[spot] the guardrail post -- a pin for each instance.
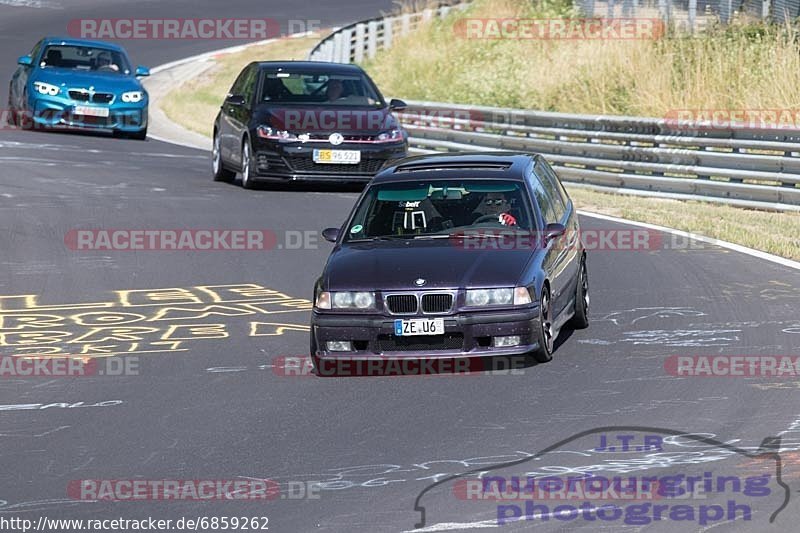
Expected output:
(388, 28)
(360, 44)
(345, 53)
(372, 38)
(337, 48)
(405, 23)
(692, 15)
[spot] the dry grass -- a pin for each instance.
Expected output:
(775, 233)
(741, 67)
(195, 104)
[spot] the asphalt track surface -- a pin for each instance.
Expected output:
(216, 406)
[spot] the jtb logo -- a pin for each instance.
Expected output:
(651, 442)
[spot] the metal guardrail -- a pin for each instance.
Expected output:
(756, 168)
(748, 167)
(363, 39)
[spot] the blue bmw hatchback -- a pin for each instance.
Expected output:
(80, 84)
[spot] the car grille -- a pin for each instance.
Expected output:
(448, 341)
(402, 303)
(347, 138)
(306, 164)
(96, 98)
(436, 303)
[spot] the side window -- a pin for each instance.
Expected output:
(550, 183)
(36, 49)
(238, 85)
(545, 203)
(250, 79)
(551, 174)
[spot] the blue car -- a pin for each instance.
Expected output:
(78, 84)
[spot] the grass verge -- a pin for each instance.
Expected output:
(195, 104)
(778, 234)
(744, 66)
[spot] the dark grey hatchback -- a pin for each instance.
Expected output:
(305, 120)
(453, 256)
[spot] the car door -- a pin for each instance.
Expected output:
(240, 114)
(555, 255)
(564, 212)
(228, 132)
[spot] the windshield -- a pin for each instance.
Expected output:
(85, 58)
(319, 89)
(440, 208)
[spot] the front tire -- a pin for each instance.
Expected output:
(140, 135)
(544, 352)
(11, 118)
(247, 165)
(218, 169)
(581, 318)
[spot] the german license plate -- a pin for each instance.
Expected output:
(419, 326)
(341, 157)
(89, 111)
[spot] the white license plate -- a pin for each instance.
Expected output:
(342, 157)
(89, 111)
(419, 326)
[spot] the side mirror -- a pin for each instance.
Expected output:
(553, 231)
(25, 61)
(142, 72)
(397, 105)
(330, 234)
(235, 99)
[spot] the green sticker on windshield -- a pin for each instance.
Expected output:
(356, 229)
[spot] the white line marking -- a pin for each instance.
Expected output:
(36, 4)
(709, 240)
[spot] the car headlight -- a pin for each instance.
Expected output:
(345, 300)
(265, 132)
(45, 88)
(394, 135)
(132, 97)
(503, 296)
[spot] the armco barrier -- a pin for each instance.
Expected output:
(751, 167)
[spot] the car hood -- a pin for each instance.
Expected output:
(395, 265)
(355, 120)
(101, 81)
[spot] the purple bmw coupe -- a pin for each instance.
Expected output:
(453, 256)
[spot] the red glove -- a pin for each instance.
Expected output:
(507, 220)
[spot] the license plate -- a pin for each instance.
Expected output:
(419, 326)
(345, 157)
(88, 111)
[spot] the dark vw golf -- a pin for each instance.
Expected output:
(305, 120)
(451, 256)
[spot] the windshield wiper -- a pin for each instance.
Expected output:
(433, 236)
(383, 238)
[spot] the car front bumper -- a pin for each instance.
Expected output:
(466, 335)
(45, 112)
(294, 161)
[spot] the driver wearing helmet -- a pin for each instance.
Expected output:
(104, 62)
(496, 204)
